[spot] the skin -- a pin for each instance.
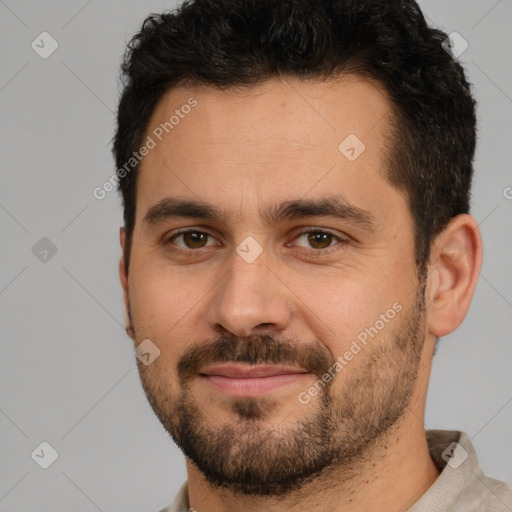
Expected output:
(243, 151)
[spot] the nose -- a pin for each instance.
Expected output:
(250, 299)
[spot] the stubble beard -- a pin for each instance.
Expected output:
(252, 456)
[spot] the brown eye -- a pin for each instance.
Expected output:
(319, 239)
(191, 240)
(319, 242)
(194, 239)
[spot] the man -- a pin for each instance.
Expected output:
(295, 178)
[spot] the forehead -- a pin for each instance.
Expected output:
(280, 140)
(304, 111)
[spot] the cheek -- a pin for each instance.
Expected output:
(159, 300)
(340, 308)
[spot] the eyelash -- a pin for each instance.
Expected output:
(189, 251)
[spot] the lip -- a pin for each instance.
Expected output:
(247, 380)
(238, 371)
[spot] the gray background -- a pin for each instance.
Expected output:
(67, 370)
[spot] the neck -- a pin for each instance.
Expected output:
(392, 474)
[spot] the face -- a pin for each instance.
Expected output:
(272, 265)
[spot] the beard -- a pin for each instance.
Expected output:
(253, 456)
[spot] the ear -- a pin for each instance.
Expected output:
(455, 262)
(123, 276)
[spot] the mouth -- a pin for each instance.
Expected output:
(247, 380)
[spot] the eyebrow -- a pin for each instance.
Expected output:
(337, 207)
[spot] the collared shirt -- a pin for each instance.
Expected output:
(460, 487)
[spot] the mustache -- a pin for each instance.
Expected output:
(254, 350)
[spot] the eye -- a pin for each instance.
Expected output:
(192, 239)
(318, 239)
